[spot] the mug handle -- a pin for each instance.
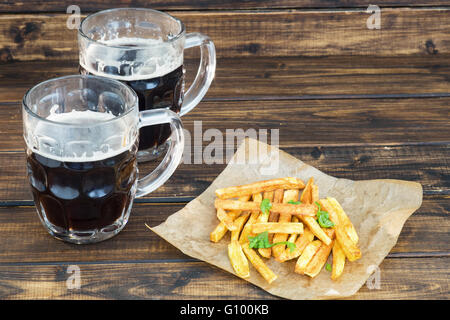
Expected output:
(205, 73)
(171, 160)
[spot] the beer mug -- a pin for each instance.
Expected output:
(144, 49)
(81, 134)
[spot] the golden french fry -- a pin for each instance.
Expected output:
(278, 196)
(307, 198)
(289, 195)
(293, 236)
(226, 219)
(221, 228)
(351, 250)
(246, 231)
(281, 208)
(317, 262)
(259, 264)
(306, 256)
(278, 227)
(239, 224)
(306, 194)
(314, 193)
(265, 217)
(343, 235)
(238, 259)
(268, 195)
(257, 197)
(338, 261)
(316, 229)
(261, 186)
(344, 220)
(300, 245)
(273, 217)
(218, 232)
(265, 252)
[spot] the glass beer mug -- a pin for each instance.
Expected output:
(144, 49)
(81, 135)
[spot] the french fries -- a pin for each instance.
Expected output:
(300, 245)
(278, 227)
(247, 231)
(239, 224)
(262, 186)
(293, 236)
(306, 194)
(274, 223)
(289, 195)
(226, 219)
(259, 265)
(273, 217)
(338, 261)
(309, 195)
(218, 232)
(221, 228)
(306, 256)
(238, 259)
(316, 229)
(319, 259)
(345, 231)
(281, 208)
(344, 221)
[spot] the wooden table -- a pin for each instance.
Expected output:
(353, 102)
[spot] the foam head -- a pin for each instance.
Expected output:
(80, 118)
(131, 44)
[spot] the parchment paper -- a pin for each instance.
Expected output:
(377, 208)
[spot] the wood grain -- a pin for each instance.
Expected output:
(247, 33)
(89, 6)
(277, 77)
(300, 122)
(426, 164)
(426, 232)
(197, 280)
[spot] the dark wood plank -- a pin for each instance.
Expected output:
(289, 33)
(89, 6)
(420, 278)
(426, 164)
(426, 232)
(277, 77)
(301, 122)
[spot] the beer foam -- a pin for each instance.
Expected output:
(84, 143)
(79, 117)
(139, 59)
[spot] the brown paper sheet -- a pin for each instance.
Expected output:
(377, 208)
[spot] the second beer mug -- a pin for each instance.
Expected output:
(144, 49)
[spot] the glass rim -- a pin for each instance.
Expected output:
(175, 38)
(80, 125)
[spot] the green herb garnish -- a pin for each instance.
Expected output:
(265, 206)
(328, 267)
(294, 202)
(323, 218)
(261, 241)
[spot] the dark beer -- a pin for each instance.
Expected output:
(160, 92)
(82, 196)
